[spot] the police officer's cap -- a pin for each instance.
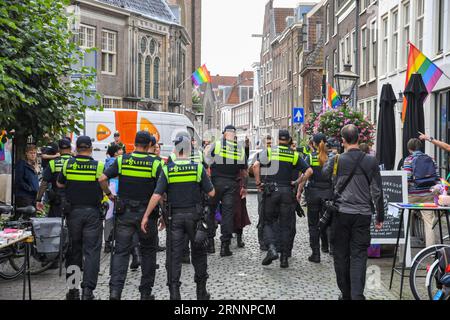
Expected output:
(284, 135)
(229, 128)
(84, 142)
(182, 140)
(64, 143)
(143, 137)
(52, 148)
(318, 138)
(116, 134)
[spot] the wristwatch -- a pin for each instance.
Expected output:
(431, 139)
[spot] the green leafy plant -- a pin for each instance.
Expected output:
(38, 93)
(331, 122)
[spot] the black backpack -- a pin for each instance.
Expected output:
(424, 171)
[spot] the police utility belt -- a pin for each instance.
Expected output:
(121, 205)
(271, 187)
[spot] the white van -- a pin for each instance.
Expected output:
(101, 126)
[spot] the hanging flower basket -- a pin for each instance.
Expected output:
(331, 122)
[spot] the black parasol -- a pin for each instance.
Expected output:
(386, 137)
(416, 93)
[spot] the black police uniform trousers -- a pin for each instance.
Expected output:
(85, 243)
(225, 194)
(278, 218)
(127, 225)
(350, 253)
(315, 198)
(184, 223)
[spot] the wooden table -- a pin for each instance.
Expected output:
(27, 239)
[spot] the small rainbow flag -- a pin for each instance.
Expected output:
(201, 76)
(334, 101)
(445, 182)
(419, 63)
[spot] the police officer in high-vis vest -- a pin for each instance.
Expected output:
(227, 161)
(273, 174)
(49, 178)
(83, 196)
(183, 181)
(138, 173)
(196, 157)
(318, 189)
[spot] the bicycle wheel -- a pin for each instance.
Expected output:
(419, 270)
(11, 264)
(38, 263)
(433, 285)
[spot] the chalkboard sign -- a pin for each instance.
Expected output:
(395, 190)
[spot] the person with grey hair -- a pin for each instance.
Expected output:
(358, 194)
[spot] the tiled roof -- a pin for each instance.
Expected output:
(227, 81)
(280, 15)
(156, 9)
(234, 96)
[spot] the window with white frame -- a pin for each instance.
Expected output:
(353, 50)
(440, 26)
(373, 51)
(342, 55)
(384, 48)
(87, 36)
(327, 68)
(364, 52)
(394, 40)
(111, 102)
(327, 21)
(335, 62)
(109, 51)
(335, 20)
(420, 10)
(318, 31)
(406, 12)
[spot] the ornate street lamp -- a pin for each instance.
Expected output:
(346, 82)
(317, 105)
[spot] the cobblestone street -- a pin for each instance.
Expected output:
(240, 277)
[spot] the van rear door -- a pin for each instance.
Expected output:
(100, 126)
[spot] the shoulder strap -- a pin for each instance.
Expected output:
(352, 174)
(119, 163)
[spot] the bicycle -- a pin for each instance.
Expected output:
(12, 262)
(424, 264)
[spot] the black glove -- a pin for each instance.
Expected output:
(299, 211)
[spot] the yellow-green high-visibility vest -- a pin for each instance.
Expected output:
(283, 154)
(229, 150)
(183, 171)
(138, 165)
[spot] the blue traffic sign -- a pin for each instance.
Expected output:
(299, 115)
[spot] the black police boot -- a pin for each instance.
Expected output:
(225, 250)
(315, 257)
(87, 294)
(186, 259)
(115, 295)
(284, 263)
(211, 248)
(136, 259)
(272, 255)
(240, 243)
(73, 294)
(325, 248)
(147, 296)
(174, 290)
(202, 294)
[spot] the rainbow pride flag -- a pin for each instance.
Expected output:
(201, 76)
(334, 101)
(419, 63)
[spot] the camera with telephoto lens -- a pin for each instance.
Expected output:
(330, 210)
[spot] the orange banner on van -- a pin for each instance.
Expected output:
(126, 124)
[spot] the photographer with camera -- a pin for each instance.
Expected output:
(183, 180)
(357, 193)
(318, 189)
(276, 165)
